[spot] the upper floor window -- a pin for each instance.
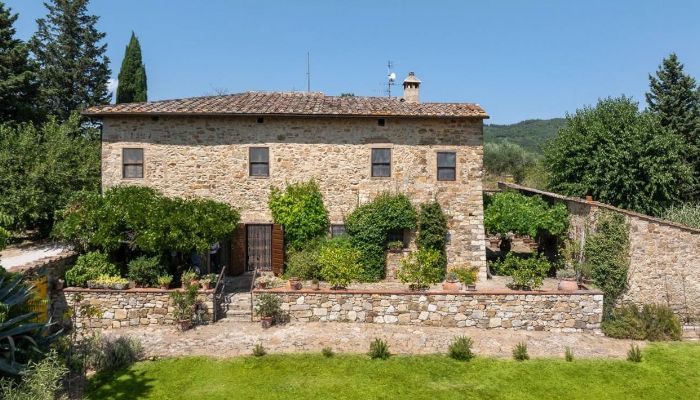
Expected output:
(259, 161)
(132, 163)
(381, 162)
(446, 166)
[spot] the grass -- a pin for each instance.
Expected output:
(668, 371)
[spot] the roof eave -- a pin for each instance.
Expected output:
(223, 114)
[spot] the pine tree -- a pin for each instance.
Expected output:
(675, 98)
(132, 76)
(73, 68)
(18, 84)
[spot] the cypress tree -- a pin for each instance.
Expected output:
(18, 84)
(674, 97)
(132, 76)
(73, 68)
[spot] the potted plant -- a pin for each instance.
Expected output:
(294, 283)
(268, 308)
(567, 279)
(164, 281)
(265, 281)
(395, 246)
(315, 285)
(451, 282)
(208, 281)
(466, 275)
(184, 306)
(188, 278)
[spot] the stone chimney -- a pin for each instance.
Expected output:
(411, 91)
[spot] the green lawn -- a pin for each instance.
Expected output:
(668, 371)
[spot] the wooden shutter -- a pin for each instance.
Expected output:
(238, 249)
(277, 249)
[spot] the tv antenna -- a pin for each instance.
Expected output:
(391, 77)
(308, 73)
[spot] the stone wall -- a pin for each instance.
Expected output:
(122, 308)
(540, 311)
(208, 156)
(664, 256)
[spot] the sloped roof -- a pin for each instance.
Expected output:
(290, 104)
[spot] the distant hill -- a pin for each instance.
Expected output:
(530, 134)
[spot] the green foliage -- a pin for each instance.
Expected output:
(687, 214)
(144, 220)
(531, 134)
(259, 350)
(525, 215)
(21, 340)
(422, 268)
(653, 322)
(184, 303)
(568, 354)
(89, 266)
(5, 220)
(303, 263)
(111, 353)
(620, 156)
(42, 167)
(507, 158)
(301, 210)
(461, 348)
(634, 354)
(606, 252)
(369, 225)
(527, 273)
(432, 231)
(379, 349)
(327, 352)
(66, 46)
(132, 86)
(188, 277)
(145, 271)
(340, 262)
(268, 305)
(520, 352)
(42, 380)
(165, 280)
(466, 275)
(18, 87)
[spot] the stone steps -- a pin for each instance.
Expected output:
(237, 307)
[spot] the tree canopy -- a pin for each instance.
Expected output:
(132, 86)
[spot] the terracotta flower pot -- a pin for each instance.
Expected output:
(471, 287)
(266, 322)
(184, 324)
(294, 284)
(205, 285)
(164, 287)
(450, 286)
(568, 284)
(315, 286)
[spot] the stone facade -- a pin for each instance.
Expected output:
(664, 256)
(539, 311)
(122, 308)
(208, 156)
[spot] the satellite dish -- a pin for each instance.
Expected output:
(392, 76)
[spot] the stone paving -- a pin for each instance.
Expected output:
(228, 339)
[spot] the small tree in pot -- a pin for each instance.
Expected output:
(268, 308)
(184, 303)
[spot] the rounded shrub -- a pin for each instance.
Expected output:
(340, 262)
(301, 210)
(89, 266)
(145, 271)
(461, 348)
(421, 268)
(304, 262)
(379, 349)
(520, 352)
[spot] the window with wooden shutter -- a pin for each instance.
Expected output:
(277, 249)
(446, 166)
(238, 251)
(381, 162)
(132, 163)
(259, 161)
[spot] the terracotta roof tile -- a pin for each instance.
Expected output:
(280, 103)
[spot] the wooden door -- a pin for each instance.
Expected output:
(259, 248)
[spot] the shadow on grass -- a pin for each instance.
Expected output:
(120, 384)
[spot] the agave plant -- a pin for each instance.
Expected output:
(21, 339)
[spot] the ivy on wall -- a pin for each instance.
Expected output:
(432, 232)
(301, 210)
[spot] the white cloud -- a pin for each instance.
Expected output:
(112, 84)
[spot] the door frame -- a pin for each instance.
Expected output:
(247, 246)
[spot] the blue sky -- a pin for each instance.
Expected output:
(518, 59)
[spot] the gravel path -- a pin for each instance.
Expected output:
(227, 339)
(13, 257)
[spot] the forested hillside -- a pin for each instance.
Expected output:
(529, 134)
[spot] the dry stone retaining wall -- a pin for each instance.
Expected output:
(579, 311)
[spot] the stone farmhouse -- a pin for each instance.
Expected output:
(234, 148)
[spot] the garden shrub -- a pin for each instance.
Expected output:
(145, 271)
(524, 215)
(379, 349)
(466, 275)
(651, 322)
(327, 352)
(568, 354)
(527, 273)
(369, 225)
(634, 354)
(301, 210)
(687, 214)
(461, 348)
(89, 266)
(340, 262)
(259, 350)
(520, 352)
(432, 231)
(606, 252)
(304, 263)
(268, 305)
(42, 380)
(421, 268)
(111, 353)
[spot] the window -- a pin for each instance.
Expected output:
(132, 163)
(446, 166)
(381, 122)
(381, 162)
(397, 236)
(337, 230)
(259, 161)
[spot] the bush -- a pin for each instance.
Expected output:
(432, 231)
(303, 263)
(527, 273)
(421, 268)
(520, 352)
(145, 271)
(111, 353)
(340, 262)
(379, 349)
(369, 226)
(506, 158)
(165, 280)
(259, 350)
(634, 354)
(301, 210)
(327, 352)
(42, 380)
(184, 303)
(568, 354)
(524, 215)
(687, 214)
(652, 322)
(88, 267)
(461, 348)
(268, 305)
(465, 275)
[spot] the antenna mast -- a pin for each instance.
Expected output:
(391, 77)
(308, 73)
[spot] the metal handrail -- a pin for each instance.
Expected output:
(252, 286)
(219, 282)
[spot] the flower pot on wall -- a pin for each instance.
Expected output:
(450, 286)
(294, 284)
(184, 324)
(568, 284)
(266, 322)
